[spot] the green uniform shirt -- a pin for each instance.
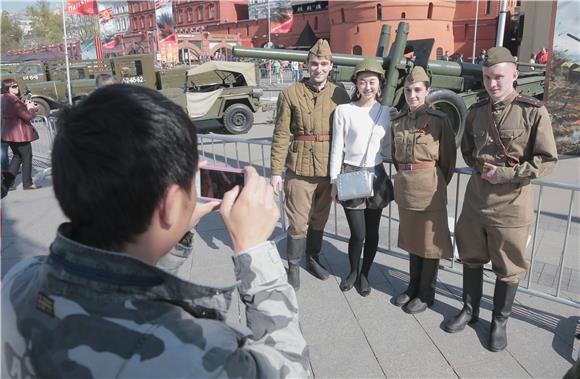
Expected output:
(303, 109)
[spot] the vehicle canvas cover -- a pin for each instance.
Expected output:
(222, 72)
(199, 103)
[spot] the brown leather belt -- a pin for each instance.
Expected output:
(312, 138)
(416, 166)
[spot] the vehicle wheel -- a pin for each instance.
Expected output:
(238, 119)
(41, 106)
(450, 103)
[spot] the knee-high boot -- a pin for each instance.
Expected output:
(354, 253)
(414, 277)
(503, 299)
(427, 283)
(313, 246)
(472, 287)
(294, 252)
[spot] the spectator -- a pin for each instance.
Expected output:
(18, 133)
(481, 57)
(459, 58)
(542, 57)
(445, 56)
(532, 61)
(98, 306)
(104, 80)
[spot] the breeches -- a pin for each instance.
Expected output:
(307, 203)
(505, 247)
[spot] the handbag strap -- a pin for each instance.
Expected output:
(511, 159)
(364, 158)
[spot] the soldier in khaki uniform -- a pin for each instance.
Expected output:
(424, 154)
(508, 141)
(301, 143)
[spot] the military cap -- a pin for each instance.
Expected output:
(321, 48)
(369, 64)
(417, 74)
(497, 55)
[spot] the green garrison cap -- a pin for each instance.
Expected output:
(369, 64)
(417, 74)
(497, 55)
(321, 48)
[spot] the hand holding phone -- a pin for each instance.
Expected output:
(250, 214)
(214, 181)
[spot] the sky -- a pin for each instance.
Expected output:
(20, 5)
(567, 22)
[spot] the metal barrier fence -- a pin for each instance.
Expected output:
(42, 147)
(256, 152)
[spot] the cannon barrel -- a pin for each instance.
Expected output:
(436, 67)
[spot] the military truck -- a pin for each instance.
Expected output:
(220, 94)
(456, 86)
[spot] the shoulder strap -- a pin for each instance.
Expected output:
(364, 158)
(511, 159)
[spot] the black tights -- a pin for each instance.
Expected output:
(364, 230)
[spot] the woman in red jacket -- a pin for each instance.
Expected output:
(18, 132)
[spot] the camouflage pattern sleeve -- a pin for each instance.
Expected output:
(447, 150)
(543, 155)
(467, 142)
(281, 135)
(277, 346)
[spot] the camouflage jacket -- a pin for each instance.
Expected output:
(86, 312)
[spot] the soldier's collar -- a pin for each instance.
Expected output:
(417, 112)
(314, 88)
(503, 103)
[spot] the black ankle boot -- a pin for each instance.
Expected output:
(472, 287)
(294, 252)
(503, 299)
(427, 283)
(347, 283)
(313, 246)
(362, 285)
(414, 277)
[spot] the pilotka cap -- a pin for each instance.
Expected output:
(497, 55)
(417, 74)
(321, 48)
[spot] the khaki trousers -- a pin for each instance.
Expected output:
(307, 203)
(504, 246)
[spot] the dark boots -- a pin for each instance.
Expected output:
(472, 287)
(427, 283)
(503, 299)
(414, 277)
(294, 252)
(313, 246)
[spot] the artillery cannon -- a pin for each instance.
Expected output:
(455, 86)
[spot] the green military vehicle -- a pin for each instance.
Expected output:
(220, 94)
(456, 86)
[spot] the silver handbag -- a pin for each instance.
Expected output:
(355, 185)
(358, 184)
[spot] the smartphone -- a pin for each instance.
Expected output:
(28, 96)
(213, 182)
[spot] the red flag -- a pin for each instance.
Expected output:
(282, 27)
(86, 7)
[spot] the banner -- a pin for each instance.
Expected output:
(164, 20)
(281, 17)
(86, 7)
(113, 24)
(88, 49)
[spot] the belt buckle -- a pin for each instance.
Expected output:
(317, 138)
(410, 167)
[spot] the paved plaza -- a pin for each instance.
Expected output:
(351, 336)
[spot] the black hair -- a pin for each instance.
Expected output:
(113, 158)
(6, 84)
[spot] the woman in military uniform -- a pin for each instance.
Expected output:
(424, 155)
(360, 138)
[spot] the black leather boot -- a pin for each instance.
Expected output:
(503, 299)
(472, 287)
(294, 252)
(414, 277)
(427, 284)
(313, 245)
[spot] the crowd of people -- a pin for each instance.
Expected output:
(130, 220)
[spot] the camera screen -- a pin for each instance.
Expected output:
(215, 183)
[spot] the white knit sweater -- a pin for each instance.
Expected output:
(351, 130)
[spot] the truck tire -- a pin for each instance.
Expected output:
(450, 103)
(41, 106)
(238, 119)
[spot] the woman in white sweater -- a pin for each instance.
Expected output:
(360, 140)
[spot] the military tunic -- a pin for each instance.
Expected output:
(495, 218)
(421, 137)
(305, 110)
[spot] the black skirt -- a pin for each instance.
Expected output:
(382, 188)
